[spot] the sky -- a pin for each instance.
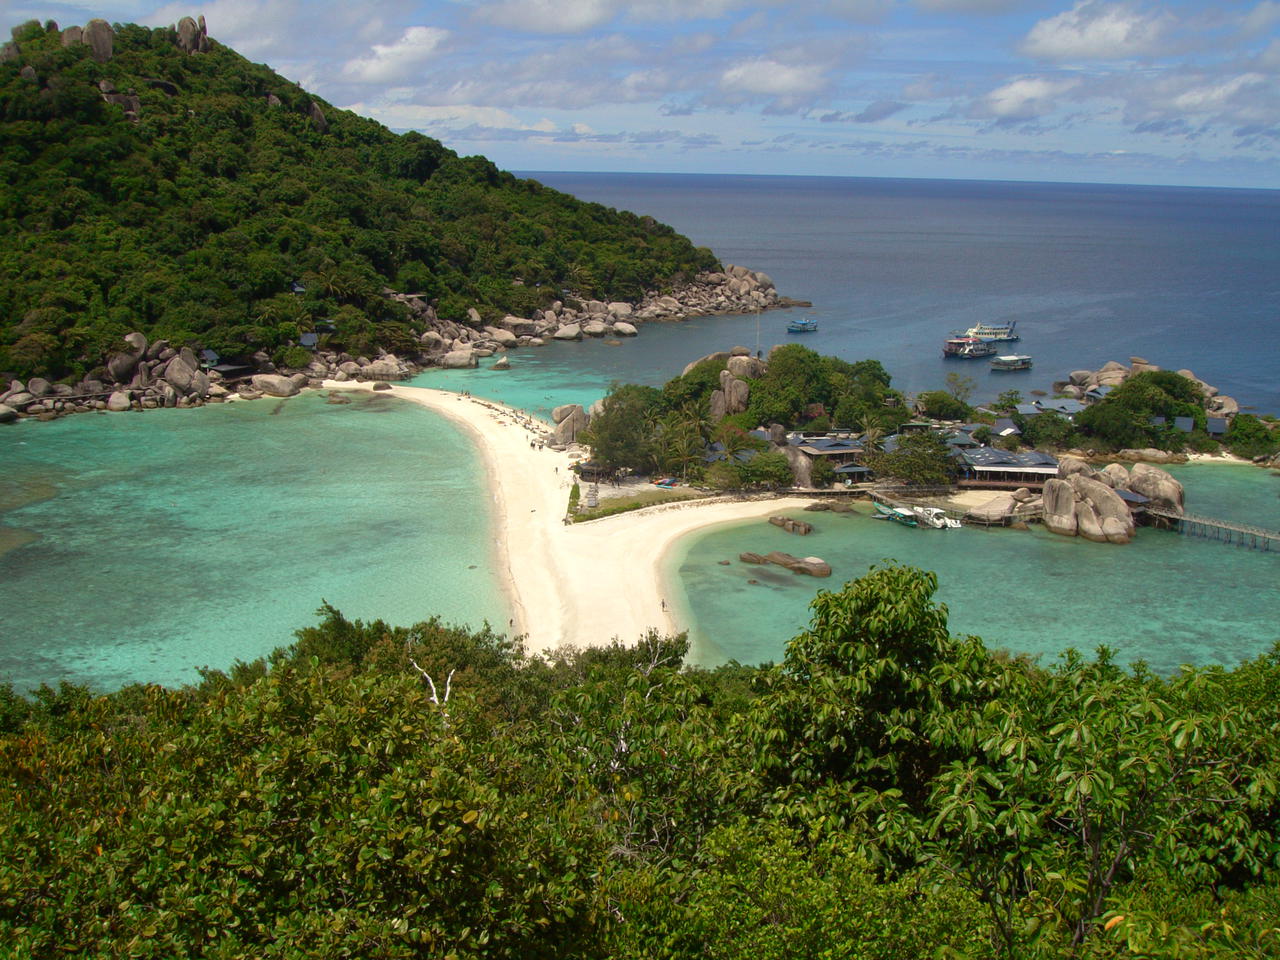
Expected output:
(1184, 92)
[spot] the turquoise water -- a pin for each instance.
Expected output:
(1164, 598)
(180, 538)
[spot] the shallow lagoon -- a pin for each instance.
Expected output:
(1164, 598)
(179, 538)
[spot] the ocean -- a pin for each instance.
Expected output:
(138, 547)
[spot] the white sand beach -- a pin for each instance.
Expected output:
(572, 584)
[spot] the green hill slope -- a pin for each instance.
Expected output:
(184, 194)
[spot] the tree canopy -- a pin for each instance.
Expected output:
(888, 790)
(193, 218)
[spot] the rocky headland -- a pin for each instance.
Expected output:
(1113, 373)
(150, 375)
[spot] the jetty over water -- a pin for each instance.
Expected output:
(1227, 531)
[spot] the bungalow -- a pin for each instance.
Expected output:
(1216, 426)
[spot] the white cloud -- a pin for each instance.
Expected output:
(393, 62)
(550, 16)
(969, 6)
(1095, 30)
(414, 116)
(768, 77)
(1261, 18)
(1026, 98)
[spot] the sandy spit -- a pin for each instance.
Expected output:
(572, 584)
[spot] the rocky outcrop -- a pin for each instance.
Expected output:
(7, 413)
(570, 420)
(119, 401)
(275, 385)
(1158, 485)
(792, 526)
(318, 119)
(811, 566)
(100, 38)
(1112, 374)
(193, 36)
(1060, 507)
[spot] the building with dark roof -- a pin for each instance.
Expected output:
(989, 466)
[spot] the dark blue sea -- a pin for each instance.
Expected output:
(1183, 277)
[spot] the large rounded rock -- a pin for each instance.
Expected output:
(1115, 531)
(1158, 485)
(737, 394)
(1105, 503)
(1060, 507)
(274, 385)
(1114, 475)
(119, 401)
(1088, 523)
(746, 367)
(459, 359)
(1069, 466)
(100, 38)
(624, 329)
(568, 331)
(594, 328)
(384, 368)
(568, 429)
(7, 413)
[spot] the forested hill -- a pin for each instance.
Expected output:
(155, 180)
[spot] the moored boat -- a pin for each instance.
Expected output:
(991, 331)
(897, 514)
(935, 517)
(1012, 361)
(802, 326)
(967, 347)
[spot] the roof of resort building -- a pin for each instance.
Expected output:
(991, 458)
(1216, 425)
(1005, 427)
(1061, 405)
(1027, 409)
(829, 446)
(853, 469)
(1185, 424)
(308, 339)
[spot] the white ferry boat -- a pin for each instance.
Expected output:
(1012, 361)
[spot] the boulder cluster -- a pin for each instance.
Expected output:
(799, 527)
(460, 344)
(1082, 500)
(1113, 373)
(810, 566)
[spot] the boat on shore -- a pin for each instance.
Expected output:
(1012, 361)
(968, 348)
(991, 331)
(802, 326)
(897, 514)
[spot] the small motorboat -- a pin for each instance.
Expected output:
(802, 326)
(897, 514)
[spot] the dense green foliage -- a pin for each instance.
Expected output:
(1123, 418)
(920, 458)
(194, 222)
(889, 790)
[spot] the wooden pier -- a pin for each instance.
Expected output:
(1226, 531)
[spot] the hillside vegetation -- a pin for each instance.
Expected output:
(189, 206)
(889, 790)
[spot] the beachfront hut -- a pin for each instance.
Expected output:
(854, 472)
(1185, 424)
(1216, 426)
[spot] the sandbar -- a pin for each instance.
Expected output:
(581, 584)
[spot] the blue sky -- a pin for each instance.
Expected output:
(1081, 90)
